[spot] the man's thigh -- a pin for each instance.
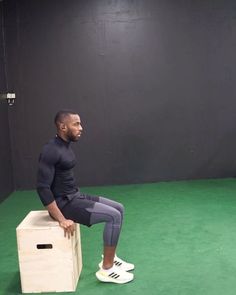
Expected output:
(76, 209)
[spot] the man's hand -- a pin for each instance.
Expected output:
(68, 226)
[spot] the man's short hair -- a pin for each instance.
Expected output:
(62, 114)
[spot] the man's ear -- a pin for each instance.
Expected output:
(63, 126)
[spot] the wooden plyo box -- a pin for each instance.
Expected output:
(48, 261)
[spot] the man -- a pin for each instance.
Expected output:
(65, 203)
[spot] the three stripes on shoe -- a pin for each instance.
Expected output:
(114, 275)
(117, 263)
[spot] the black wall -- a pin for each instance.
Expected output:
(153, 81)
(6, 182)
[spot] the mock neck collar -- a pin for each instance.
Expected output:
(67, 143)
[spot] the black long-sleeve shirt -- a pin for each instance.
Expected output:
(55, 177)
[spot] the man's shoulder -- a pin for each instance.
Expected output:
(51, 144)
(51, 149)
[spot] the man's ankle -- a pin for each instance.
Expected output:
(107, 266)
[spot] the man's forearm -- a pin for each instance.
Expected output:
(55, 212)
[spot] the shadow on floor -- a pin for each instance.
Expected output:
(14, 287)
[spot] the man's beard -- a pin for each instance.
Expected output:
(71, 137)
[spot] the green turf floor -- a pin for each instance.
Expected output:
(181, 236)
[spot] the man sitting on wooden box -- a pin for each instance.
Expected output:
(59, 193)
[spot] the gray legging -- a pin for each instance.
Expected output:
(88, 210)
(110, 212)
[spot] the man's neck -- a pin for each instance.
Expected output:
(63, 137)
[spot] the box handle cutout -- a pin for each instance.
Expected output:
(44, 246)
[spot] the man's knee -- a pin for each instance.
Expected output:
(120, 208)
(117, 217)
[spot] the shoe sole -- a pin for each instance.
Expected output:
(110, 280)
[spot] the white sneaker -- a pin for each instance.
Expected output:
(114, 275)
(121, 264)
